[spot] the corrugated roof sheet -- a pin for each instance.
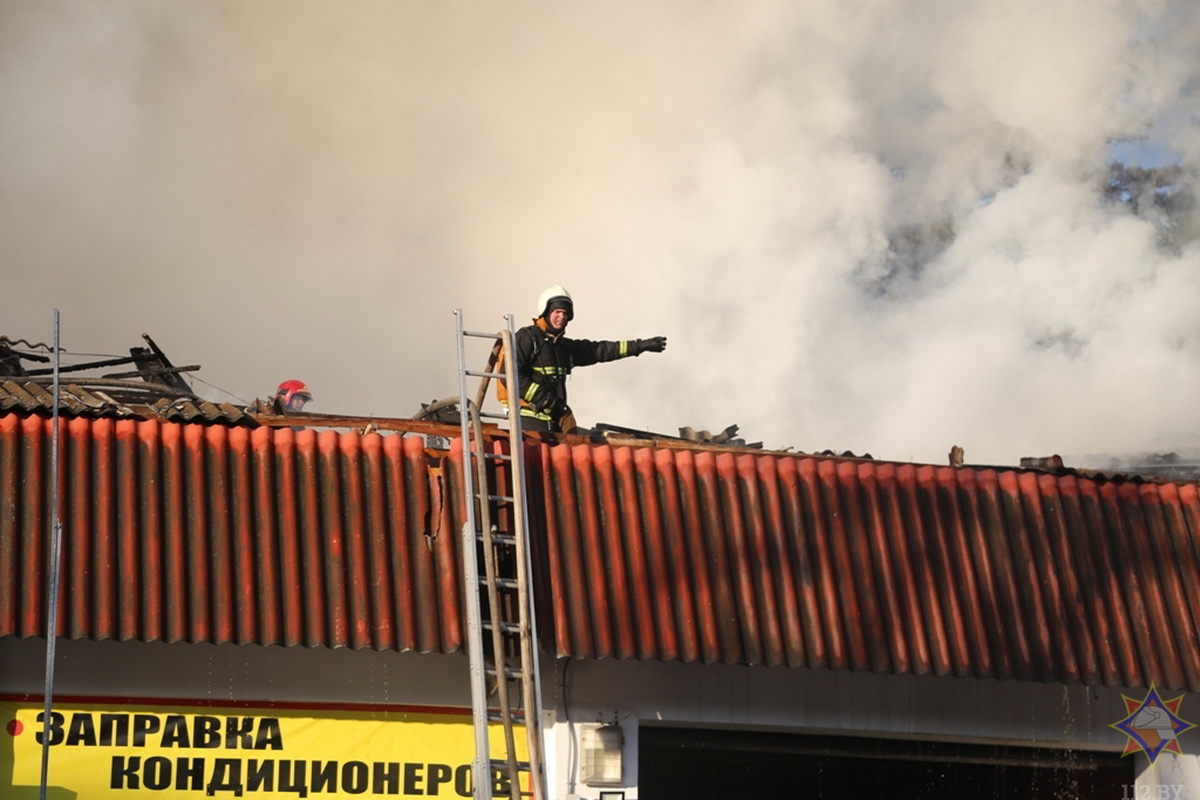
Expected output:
(91, 400)
(715, 555)
(213, 534)
(845, 564)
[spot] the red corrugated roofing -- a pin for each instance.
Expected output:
(214, 534)
(760, 558)
(716, 555)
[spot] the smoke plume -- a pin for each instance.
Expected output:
(881, 227)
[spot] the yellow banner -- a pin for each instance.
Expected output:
(100, 751)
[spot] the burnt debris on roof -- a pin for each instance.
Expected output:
(153, 372)
(149, 387)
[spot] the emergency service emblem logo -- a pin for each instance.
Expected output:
(1152, 725)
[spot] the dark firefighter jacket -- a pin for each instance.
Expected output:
(544, 362)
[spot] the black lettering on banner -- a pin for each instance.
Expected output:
(189, 774)
(354, 777)
(114, 730)
(260, 774)
(438, 774)
(291, 777)
(226, 777)
(270, 737)
(82, 730)
(412, 778)
(385, 778)
(156, 774)
(175, 732)
(206, 732)
(463, 785)
(124, 774)
(324, 776)
(239, 730)
(143, 725)
(56, 728)
(500, 784)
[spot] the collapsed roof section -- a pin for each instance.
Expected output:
(143, 385)
(156, 372)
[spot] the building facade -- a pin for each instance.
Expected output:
(279, 612)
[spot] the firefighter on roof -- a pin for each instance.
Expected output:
(545, 357)
(292, 394)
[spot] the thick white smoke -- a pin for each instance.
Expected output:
(877, 227)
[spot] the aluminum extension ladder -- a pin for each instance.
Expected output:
(501, 628)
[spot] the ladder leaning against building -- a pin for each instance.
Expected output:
(501, 627)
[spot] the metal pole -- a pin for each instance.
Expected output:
(52, 604)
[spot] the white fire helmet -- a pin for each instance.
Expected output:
(553, 294)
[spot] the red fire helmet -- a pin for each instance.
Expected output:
(290, 388)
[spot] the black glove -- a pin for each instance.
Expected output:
(655, 345)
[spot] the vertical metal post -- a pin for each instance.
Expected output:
(52, 601)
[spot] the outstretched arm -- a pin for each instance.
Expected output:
(585, 352)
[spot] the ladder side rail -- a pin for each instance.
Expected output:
(481, 765)
(495, 613)
(531, 683)
(517, 452)
(481, 769)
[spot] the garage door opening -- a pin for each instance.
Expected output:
(731, 765)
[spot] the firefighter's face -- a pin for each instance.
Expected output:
(558, 319)
(296, 402)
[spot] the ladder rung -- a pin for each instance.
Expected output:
(499, 538)
(498, 456)
(507, 627)
(501, 764)
(477, 373)
(492, 415)
(510, 673)
(514, 715)
(503, 498)
(483, 334)
(501, 583)
(502, 538)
